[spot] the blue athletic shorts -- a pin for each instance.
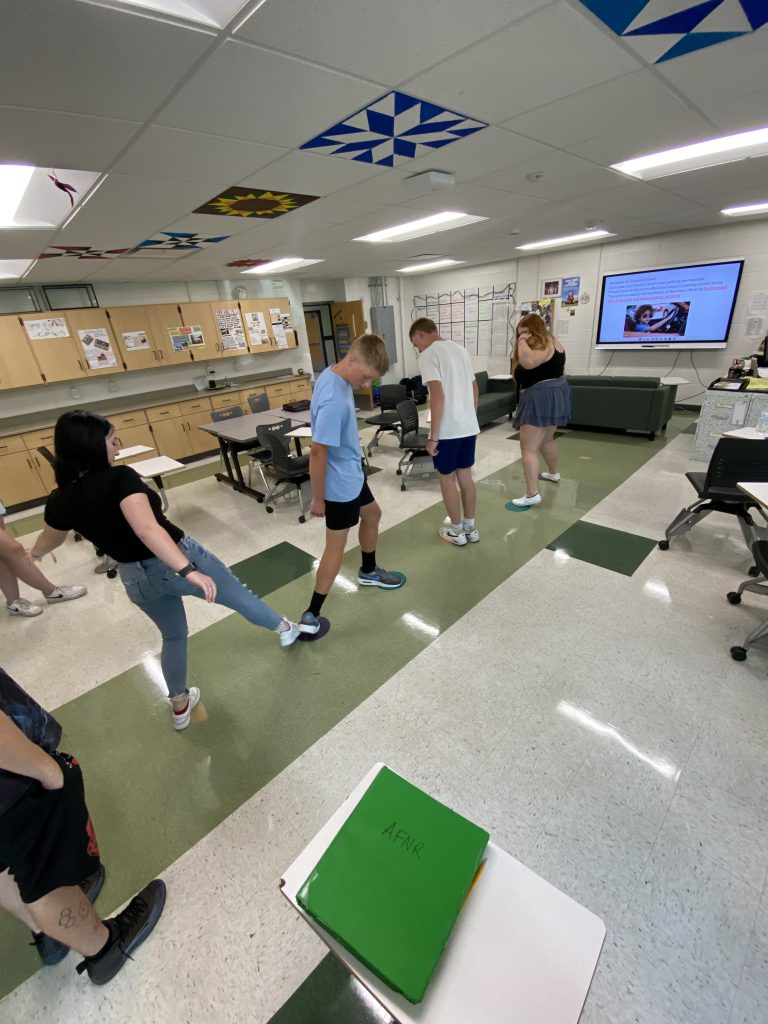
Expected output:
(454, 453)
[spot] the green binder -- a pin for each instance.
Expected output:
(391, 884)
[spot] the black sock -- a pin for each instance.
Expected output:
(112, 929)
(369, 561)
(316, 603)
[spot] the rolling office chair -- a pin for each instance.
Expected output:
(757, 586)
(387, 419)
(733, 459)
(289, 473)
(413, 441)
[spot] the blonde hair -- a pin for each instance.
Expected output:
(539, 339)
(371, 350)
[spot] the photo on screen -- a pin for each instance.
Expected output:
(648, 318)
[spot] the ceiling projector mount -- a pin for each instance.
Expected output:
(429, 181)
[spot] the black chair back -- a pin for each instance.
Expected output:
(47, 455)
(390, 395)
(737, 460)
(760, 555)
(231, 413)
(277, 445)
(258, 403)
(408, 415)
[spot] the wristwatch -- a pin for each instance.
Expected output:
(188, 568)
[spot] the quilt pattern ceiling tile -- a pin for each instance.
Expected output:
(81, 252)
(171, 244)
(661, 30)
(240, 201)
(394, 128)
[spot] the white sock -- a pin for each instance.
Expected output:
(284, 625)
(457, 528)
(469, 525)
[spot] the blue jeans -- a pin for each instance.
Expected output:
(158, 591)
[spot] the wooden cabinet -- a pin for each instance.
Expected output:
(193, 405)
(278, 394)
(301, 390)
(158, 413)
(198, 440)
(276, 302)
(59, 358)
(179, 437)
(133, 334)
(11, 443)
(258, 306)
(97, 349)
(228, 400)
(140, 434)
(19, 479)
(124, 420)
(18, 368)
(170, 437)
(200, 314)
(163, 320)
(231, 335)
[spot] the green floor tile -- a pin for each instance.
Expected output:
(330, 995)
(611, 549)
(271, 569)
(690, 429)
(516, 435)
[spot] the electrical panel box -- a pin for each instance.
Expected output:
(383, 324)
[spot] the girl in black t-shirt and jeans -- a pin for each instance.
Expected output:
(159, 565)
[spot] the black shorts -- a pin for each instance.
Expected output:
(342, 515)
(46, 838)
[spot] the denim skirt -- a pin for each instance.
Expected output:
(545, 404)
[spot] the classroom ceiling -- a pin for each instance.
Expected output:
(291, 126)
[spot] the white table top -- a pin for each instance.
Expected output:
(757, 491)
(300, 432)
(242, 428)
(134, 449)
(674, 380)
(521, 951)
(747, 433)
(297, 417)
(154, 467)
(501, 376)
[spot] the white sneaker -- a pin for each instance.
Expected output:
(23, 607)
(448, 534)
(473, 536)
(66, 594)
(535, 499)
(288, 632)
(181, 718)
(553, 477)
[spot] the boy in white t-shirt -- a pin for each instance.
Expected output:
(446, 369)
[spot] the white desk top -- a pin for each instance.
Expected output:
(757, 491)
(747, 433)
(154, 467)
(134, 449)
(674, 380)
(297, 417)
(501, 376)
(521, 951)
(300, 432)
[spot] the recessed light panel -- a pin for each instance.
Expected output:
(443, 221)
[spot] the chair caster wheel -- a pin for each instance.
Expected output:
(753, 571)
(302, 519)
(738, 654)
(402, 487)
(111, 574)
(733, 597)
(399, 472)
(260, 500)
(269, 509)
(664, 545)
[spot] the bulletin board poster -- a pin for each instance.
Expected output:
(550, 287)
(231, 330)
(49, 327)
(135, 340)
(257, 328)
(541, 307)
(570, 293)
(97, 346)
(186, 337)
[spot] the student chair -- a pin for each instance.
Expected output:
(386, 420)
(413, 441)
(734, 459)
(258, 403)
(289, 473)
(757, 586)
(226, 414)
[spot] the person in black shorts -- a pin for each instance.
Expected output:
(340, 492)
(50, 869)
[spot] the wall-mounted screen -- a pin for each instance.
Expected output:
(676, 307)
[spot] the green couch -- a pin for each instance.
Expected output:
(497, 398)
(623, 403)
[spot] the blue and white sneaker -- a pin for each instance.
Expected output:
(309, 623)
(289, 632)
(380, 578)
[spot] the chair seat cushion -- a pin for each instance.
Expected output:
(729, 494)
(414, 441)
(383, 419)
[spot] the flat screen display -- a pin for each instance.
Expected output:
(677, 307)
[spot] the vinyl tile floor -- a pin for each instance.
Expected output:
(582, 707)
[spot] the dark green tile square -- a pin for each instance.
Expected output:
(370, 470)
(271, 569)
(610, 549)
(330, 995)
(690, 429)
(516, 435)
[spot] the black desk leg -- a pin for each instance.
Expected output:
(230, 477)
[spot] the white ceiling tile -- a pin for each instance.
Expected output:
(55, 139)
(663, 133)
(624, 103)
(564, 176)
(715, 180)
(739, 115)
(384, 41)
(63, 270)
(474, 199)
(193, 156)
(729, 70)
(310, 174)
(244, 92)
(483, 153)
(130, 269)
(549, 55)
(23, 245)
(62, 55)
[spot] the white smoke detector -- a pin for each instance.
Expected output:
(429, 181)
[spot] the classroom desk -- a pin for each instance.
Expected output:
(154, 469)
(747, 433)
(134, 449)
(297, 433)
(757, 491)
(239, 434)
(521, 951)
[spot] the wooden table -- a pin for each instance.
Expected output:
(154, 469)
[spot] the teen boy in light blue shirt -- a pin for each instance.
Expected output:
(340, 492)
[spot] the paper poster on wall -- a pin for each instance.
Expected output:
(755, 327)
(274, 316)
(280, 337)
(445, 314)
(230, 330)
(257, 328)
(285, 320)
(457, 333)
(758, 303)
(50, 327)
(134, 340)
(561, 328)
(550, 287)
(433, 311)
(470, 337)
(97, 346)
(484, 334)
(570, 292)
(484, 309)
(457, 312)
(186, 337)
(471, 301)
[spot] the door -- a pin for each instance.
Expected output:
(171, 437)
(164, 321)
(19, 480)
(315, 338)
(258, 325)
(18, 368)
(133, 334)
(200, 441)
(52, 345)
(348, 324)
(93, 336)
(199, 315)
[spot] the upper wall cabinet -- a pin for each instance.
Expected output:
(133, 334)
(198, 318)
(92, 332)
(18, 368)
(173, 344)
(52, 345)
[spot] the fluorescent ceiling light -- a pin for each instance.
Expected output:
(585, 236)
(709, 153)
(286, 263)
(13, 269)
(424, 226)
(14, 180)
(745, 211)
(420, 268)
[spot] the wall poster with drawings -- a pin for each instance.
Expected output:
(481, 321)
